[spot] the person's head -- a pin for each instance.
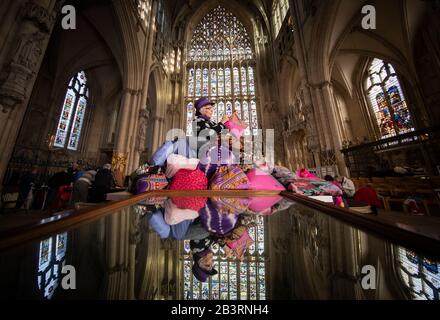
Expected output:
(204, 107)
(340, 179)
(204, 265)
(329, 178)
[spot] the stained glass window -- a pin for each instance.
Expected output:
(245, 280)
(220, 54)
(72, 115)
(387, 100)
(279, 12)
(51, 260)
(144, 11)
(420, 275)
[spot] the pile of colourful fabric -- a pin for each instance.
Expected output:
(174, 166)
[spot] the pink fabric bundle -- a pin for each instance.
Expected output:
(261, 205)
(235, 126)
(239, 246)
(260, 180)
(303, 173)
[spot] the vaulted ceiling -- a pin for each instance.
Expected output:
(177, 8)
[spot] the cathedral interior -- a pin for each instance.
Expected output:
(341, 89)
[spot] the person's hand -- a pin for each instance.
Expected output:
(224, 119)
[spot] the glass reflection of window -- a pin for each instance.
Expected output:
(51, 260)
(221, 55)
(420, 275)
(235, 280)
(387, 100)
(73, 112)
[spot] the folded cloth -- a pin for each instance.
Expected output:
(230, 205)
(176, 162)
(309, 187)
(229, 178)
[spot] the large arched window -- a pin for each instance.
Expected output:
(221, 65)
(420, 275)
(387, 100)
(245, 280)
(73, 112)
(52, 256)
(279, 12)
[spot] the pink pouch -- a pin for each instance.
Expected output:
(260, 180)
(240, 245)
(235, 126)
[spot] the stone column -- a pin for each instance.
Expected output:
(120, 154)
(142, 103)
(35, 23)
(312, 134)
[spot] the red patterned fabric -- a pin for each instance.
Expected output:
(192, 203)
(189, 180)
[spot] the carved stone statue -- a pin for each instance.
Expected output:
(144, 116)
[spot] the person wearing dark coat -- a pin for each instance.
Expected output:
(81, 187)
(104, 181)
(205, 128)
(25, 186)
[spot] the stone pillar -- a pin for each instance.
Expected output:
(120, 154)
(26, 50)
(312, 119)
(142, 103)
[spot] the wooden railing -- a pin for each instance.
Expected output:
(357, 157)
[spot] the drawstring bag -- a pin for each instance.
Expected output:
(189, 180)
(151, 182)
(229, 178)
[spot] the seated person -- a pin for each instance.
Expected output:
(369, 196)
(347, 186)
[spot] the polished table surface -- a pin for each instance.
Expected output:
(302, 249)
